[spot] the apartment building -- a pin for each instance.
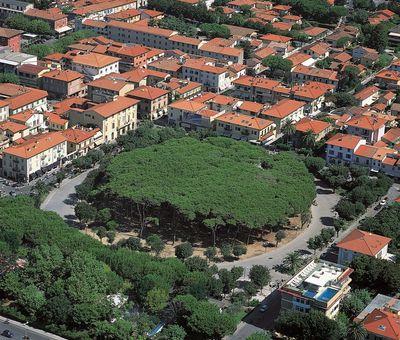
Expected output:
(34, 156)
(368, 127)
(228, 54)
(320, 285)
(185, 44)
(98, 11)
(184, 111)
(255, 89)
(317, 127)
(130, 56)
(107, 89)
(11, 38)
(388, 79)
(22, 98)
(367, 96)
(360, 242)
(153, 101)
(305, 73)
(381, 318)
(214, 78)
(181, 89)
(246, 128)
(13, 131)
(32, 119)
(80, 141)
(64, 84)
(139, 34)
(12, 7)
(54, 122)
(57, 20)
(31, 75)
(286, 111)
(313, 94)
(94, 65)
(113, 118)
(4, 110)
(129, 15)
(340, 148)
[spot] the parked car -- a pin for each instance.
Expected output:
(7, 333)
(264, 307)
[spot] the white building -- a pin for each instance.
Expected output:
(340, 148)
(95, 65)
(360, 242)
(33, 157)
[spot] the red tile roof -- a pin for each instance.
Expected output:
(283, 108)
(315, 126)
(345, 141)
(147, 92)
(364, 242)
(245, 121)
(78, 135)
(384, 324)
(367, 122)
(111, 108)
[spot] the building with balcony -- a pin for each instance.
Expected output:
(320, 285)
(34, 156)
(370, 128)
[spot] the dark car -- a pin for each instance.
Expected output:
(7, 333)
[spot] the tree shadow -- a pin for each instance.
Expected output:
(324, 191)
(72, 199)
(327, 221)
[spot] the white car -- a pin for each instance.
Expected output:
(264, 307)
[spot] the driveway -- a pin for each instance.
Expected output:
(62, 200)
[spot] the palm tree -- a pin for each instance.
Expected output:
(309, 139)
(356, 331)
(293, 261)
(289, 130)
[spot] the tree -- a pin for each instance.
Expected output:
(309, 139)
(156, 244)
(314, 164)
(314, 243)
(293, 261)
(260, 336)
(338, 225)
(250, 289)
(133, 243)
(183, 251)
(277, 63)
(343, 42)
(156, 299)
(356, 331)
(215, 31)
(239, 250)
(101, 233)
(196, 263)
(279, 236)
(32, 299)
(85, 212)
(111, 236)
(60, 175)
(227, 280)
(350, 78)
(377, 37)
(364, 4)
(209, 323)
(355, 302)
(259, 275)
(324, 63)
(9, 78)
(289, 130)
(226, 250)
(304, 326)
(327, 234)
(210, 253)
(172, 332)
(103, 216)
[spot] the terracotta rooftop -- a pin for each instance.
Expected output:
(188, 105)
(9, 32)
(315, 126)
(94, 60)
(245, 121)
(147, 92)
(364, 242)
(345, 141)
(36, 145)
(283, 108)
(311, 89)
(109, 83)
(111, 108)
(13, 126)
(18, 96)
(66, 75)
(366, 92)
(367, 123)
(78, 135)
(384, 324)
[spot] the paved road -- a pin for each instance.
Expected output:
(257, 321)
(20, 330)
(62, 200)
(322, 214)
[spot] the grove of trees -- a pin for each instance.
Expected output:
(64, 281)
(215, 184)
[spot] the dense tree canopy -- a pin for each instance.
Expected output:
(218, 180)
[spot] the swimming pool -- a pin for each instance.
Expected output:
(327, 294)
(309, 293)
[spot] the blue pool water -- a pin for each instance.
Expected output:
(327, 294)
(309, 293)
